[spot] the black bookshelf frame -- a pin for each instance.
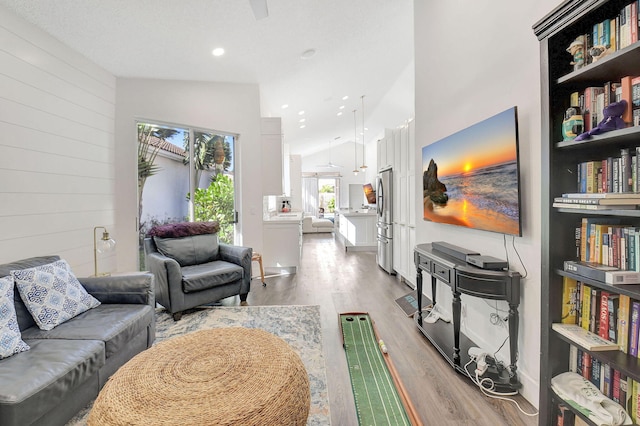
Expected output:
(559, 158)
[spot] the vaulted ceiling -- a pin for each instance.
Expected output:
(307, 54)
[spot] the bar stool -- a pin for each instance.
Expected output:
(257, 257)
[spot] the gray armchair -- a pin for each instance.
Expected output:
(192, 268)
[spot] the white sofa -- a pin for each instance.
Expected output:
(311, 224)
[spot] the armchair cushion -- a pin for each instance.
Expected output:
(52, 293)
(192, 250)
(209, 275)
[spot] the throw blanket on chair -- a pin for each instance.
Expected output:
(183, 229)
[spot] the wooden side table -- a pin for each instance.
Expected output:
(257, 257)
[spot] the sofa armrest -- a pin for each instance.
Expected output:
(240, 256)
(134, 288)
(166, 270)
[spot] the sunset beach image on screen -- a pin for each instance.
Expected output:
(471, 178)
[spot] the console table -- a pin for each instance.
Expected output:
(464, 278)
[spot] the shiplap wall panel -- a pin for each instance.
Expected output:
(96, 149)
(57, 172)
(40, 100)
(51, 122)
(51, 164)
(19, 70)
(17, 203)
(49, 56)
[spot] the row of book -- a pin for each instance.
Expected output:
(612, 34)
(598, 320)
(592, 100)
(613, 174)
(608, 241)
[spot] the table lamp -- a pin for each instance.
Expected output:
(103, 245)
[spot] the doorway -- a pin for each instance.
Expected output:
(168, 175)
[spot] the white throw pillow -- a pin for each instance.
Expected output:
(52, 293)
(11, 341)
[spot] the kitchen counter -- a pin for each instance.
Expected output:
(284, 217)
(358, 229)
(351, 213)
(282, 247)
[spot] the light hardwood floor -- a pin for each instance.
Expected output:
(342, 281)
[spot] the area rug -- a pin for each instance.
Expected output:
(409, 303)
(298, 325)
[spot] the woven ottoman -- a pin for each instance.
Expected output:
(224, 376)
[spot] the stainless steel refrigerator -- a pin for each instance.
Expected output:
(384, 207)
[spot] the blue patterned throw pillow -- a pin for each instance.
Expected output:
(10, 340)
(52, 293)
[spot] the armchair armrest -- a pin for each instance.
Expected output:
(134, 288)
(240, 256)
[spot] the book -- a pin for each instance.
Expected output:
(613, 303)
(602, 195)
(604, 273)
(594, 317)
(564, 205)
(615, 386)
(624, 309)
(585, 306)
(603, 315)
(634, 327)
(586, 339)
(569, 300)
(598, 201)
(565, 416)
(573, 358)
(625, 86)
(596, 376)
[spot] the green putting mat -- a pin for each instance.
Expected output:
(379, 399)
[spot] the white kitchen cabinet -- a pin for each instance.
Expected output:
(282, 247)
(358, 230)
(272, 156)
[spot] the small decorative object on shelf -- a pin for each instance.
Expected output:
(576, 48)
(573, 123)
(612, 120)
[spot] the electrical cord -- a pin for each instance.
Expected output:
(513, 244)
(490, 390)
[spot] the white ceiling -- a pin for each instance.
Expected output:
(363, 47)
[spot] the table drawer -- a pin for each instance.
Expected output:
(441, 272)
(483, 287)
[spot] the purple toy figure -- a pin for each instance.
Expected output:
(612, 120)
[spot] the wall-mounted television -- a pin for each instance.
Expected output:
(471, 178)
(369, 193)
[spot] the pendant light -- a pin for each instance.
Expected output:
(364, 155)
(355, 145)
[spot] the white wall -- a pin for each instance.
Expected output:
(485, 60)
(229, 108)
(164, 194)
(57, 114)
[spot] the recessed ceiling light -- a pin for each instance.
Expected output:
(285, 106)
(339, 114)
(344, 98)
(302, 120)
(341, 106)
(300, 112)
(218, 51)
(309, 53)
(303, 126)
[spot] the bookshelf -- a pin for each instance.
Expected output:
(555, 32)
